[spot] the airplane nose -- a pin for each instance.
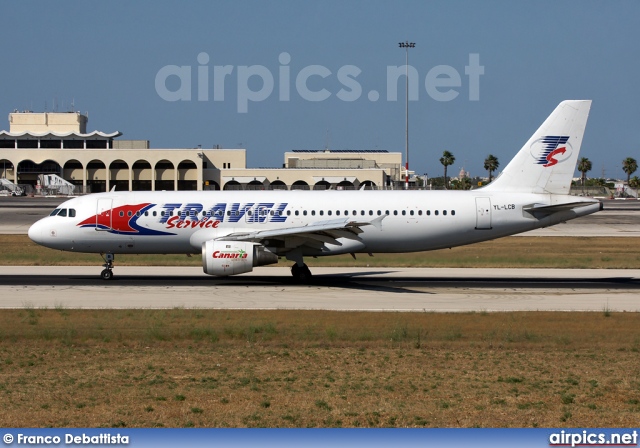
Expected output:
(35, 232)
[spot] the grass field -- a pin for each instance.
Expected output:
(183, 368)
(534, 252)
(202, 368)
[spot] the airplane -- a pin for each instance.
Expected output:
(234, 231)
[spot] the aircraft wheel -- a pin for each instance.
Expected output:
(106, 274)
(302, 273)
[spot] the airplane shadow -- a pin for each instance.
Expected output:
(365, 281)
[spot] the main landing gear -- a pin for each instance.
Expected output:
(302, 273)
(299, 270)
(107, 273)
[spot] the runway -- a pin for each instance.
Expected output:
(392, 289)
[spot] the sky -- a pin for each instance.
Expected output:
(283, 75)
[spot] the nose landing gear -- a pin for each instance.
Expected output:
(107, 273)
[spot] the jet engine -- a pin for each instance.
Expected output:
(234, 257)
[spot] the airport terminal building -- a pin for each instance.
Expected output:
(44, 151)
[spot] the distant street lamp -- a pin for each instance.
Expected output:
(406, 45)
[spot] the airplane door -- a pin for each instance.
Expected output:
(103, 214)
(483, 213)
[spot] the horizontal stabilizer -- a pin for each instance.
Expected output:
(550, 209)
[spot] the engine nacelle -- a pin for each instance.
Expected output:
(234, 257)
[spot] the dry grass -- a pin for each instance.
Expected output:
(183, 367)
(534, 252)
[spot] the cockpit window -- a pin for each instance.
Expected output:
(63, 212)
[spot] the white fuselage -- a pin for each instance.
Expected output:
(181, 221)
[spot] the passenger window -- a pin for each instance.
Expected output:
(338, 212)
(404, 212)
(419, 212)
(436, 212)
(155, 213)
(362, 212)
(379, 213)
(355, 213)
(444, 212)
(387, 212)
(137, 213)
(428, 212)
(249, 213)
(228, 213)
(297, 213)
(321, 212)
(288, 212)
(146, 213)
(121, 214)
(411, 212)
(161, 213)
(329, 212)
(395, 213)
(370, 212)
(55, 212)
(453, 213)
(129, 213)
(313, 213)
(72, 213)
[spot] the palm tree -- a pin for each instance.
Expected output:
(491, 164)
(629, 166)
(584, 165)
(446, 160)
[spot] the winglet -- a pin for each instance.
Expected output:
(377, 222)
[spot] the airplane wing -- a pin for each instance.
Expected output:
(321, 231)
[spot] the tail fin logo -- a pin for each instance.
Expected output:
(551, 150)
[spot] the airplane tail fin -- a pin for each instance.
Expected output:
(546, 163)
